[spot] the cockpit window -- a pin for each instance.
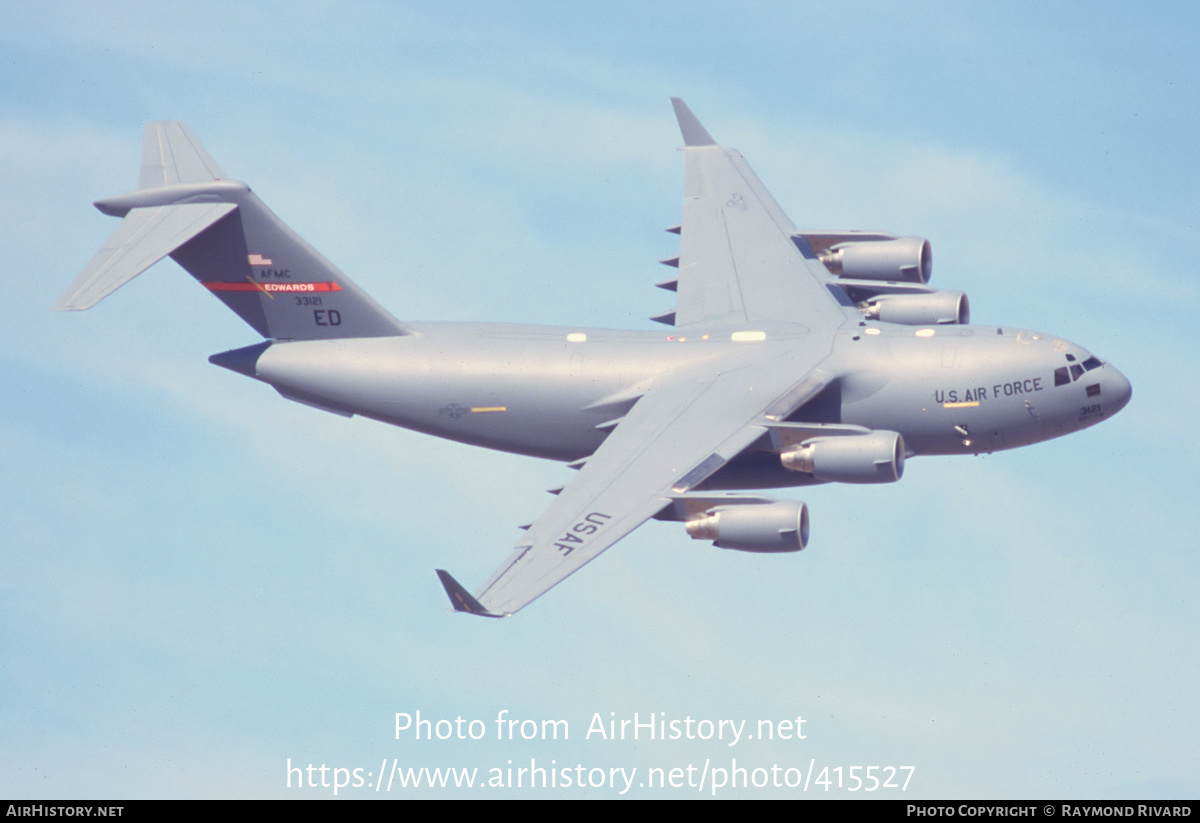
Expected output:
(1072, 372)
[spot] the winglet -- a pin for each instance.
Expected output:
(460, 598)
(694, 134)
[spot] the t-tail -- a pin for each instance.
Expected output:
(223, 235)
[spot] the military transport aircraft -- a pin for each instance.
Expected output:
(793, 358)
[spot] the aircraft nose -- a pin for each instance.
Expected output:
(1117, 389)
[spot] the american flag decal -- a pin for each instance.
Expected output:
(259, 260)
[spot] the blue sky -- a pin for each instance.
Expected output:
(201, 580)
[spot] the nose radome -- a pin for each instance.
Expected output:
(1117, 389)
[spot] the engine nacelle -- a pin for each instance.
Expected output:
(906, 259)
(935, 308)
(781, 526)
(877, 457)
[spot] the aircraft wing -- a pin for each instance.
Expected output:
(740, 274)
(680, 432)
(737, 261)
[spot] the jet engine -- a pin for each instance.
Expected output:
(877, 457)
(934, 308)
(906, 259)
(781, 526)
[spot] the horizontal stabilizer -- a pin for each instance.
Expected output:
(145, 236)
(461, 599)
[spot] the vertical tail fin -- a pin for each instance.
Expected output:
(171, 155)
(222, 234)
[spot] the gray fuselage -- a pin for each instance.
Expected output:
(555, 392)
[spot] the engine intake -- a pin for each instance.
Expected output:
(877, 457)
(781, 526)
